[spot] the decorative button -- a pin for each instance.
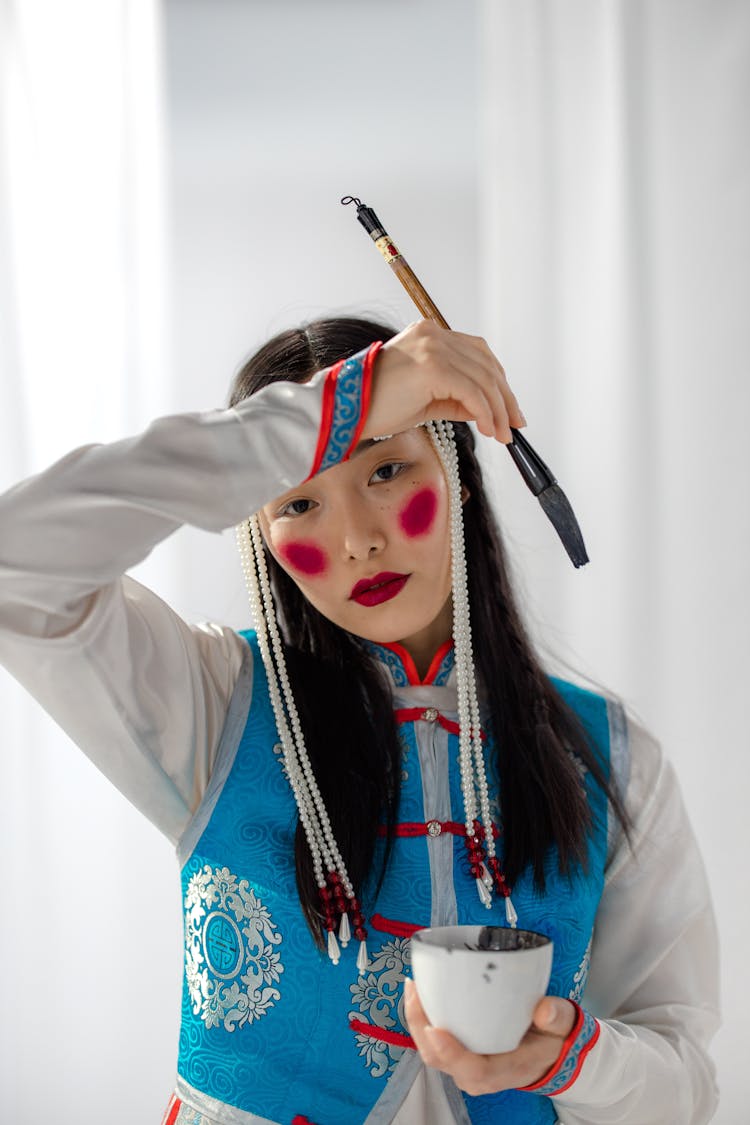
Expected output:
(430, 715)
(434, 828)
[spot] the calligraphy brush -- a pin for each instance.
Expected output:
(530, 465)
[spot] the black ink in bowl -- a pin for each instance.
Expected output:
(502, 940)
(496, 939)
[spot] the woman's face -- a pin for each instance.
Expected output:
(368, 542)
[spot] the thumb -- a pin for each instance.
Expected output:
(554, 1016)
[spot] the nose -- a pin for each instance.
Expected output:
(363, 535)
(362, 544)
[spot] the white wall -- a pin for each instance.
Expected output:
(275, 110)
(263, 143)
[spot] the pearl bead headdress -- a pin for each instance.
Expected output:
(338, 898)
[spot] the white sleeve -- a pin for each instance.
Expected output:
(654, 974)
(141, 692)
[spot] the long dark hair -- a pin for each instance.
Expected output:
(344, 703)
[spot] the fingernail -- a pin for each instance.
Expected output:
(523, 418)
(408, 987)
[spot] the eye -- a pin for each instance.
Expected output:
(387, 472)
(296, 507)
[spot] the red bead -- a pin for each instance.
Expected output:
(360, 933)
(476, 870)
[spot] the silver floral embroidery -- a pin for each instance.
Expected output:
(228, 930)
(581, 976)
(188, 1116)
(378, 995)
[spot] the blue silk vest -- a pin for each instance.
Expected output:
(271, 1030)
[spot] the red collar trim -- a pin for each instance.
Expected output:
(410, 667)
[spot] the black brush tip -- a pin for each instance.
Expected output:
(562, 517)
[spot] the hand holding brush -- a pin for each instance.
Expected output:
(537, 475)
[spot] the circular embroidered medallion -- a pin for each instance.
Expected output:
(231, 959)
(222, 945)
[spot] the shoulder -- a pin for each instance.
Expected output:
(584, 701)
(602, 715)
(221, 651)
(248, 638)
(649, 767)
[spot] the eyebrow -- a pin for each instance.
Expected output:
(363, 447)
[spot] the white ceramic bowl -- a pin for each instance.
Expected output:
(483, 996)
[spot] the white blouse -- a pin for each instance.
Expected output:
(144, 694)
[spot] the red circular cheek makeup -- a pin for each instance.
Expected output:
(418, 515)
(305, 558)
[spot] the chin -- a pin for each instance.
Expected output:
(392, 627)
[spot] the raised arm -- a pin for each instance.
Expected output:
(140, 691)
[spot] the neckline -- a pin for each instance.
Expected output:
(403, 669)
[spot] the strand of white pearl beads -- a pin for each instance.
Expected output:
(471, 756)
(324, 849)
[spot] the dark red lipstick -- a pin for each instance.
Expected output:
(380, 588)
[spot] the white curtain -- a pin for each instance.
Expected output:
(615, 205)
(82, 358)
(613, 179)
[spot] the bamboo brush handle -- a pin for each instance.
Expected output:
(397, 262)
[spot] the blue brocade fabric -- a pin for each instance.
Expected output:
(266, 1016)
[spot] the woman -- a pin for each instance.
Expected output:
(333, 788)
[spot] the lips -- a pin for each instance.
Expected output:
(380, 588)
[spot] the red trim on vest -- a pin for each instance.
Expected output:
(415, 714)
(410, 667)
(326, 417)
(390, 926)
(417, 828)
(382, 1035)
(406, 659)
(367, 369)
(437, 660)
(170, 1113)
(301, 1120)
(556, 1066)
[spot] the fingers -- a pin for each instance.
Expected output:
(439, 1049)
(484, 1074)
(490, 371)
(472, 374)
(554, 1016)
(427, 373)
